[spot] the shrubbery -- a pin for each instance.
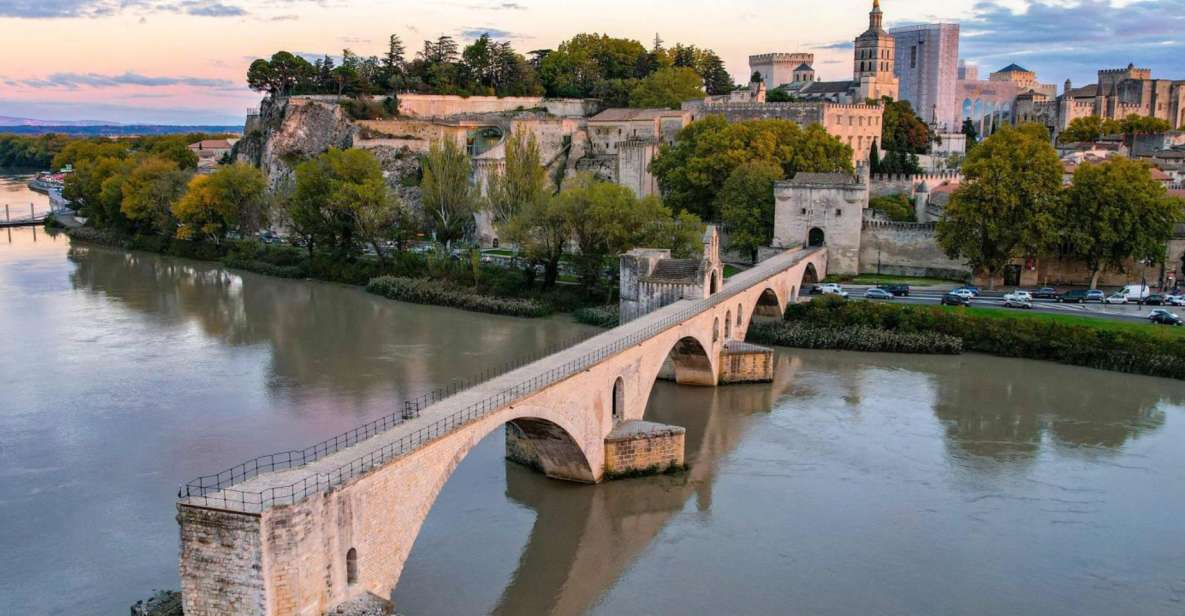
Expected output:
(439, 293)
(1080, 345)
(600, 316)
(854, 338)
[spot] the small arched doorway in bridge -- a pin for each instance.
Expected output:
(810, 275)
(739, 315)
(728, 325)
(815, 237)
(714, 285)
(352, 567)
(618, 399)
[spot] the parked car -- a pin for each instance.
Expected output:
(898, 290)
(1095, 295)
(1136, 292)
(832, 288)
(1077, 296)
(1045, 293)
(1174, 300)
(955, 299)
(1014, 301)
(815, 290)
(1019, 295)
(1160, 316)
(1117, 298)
(1155, 299)
(878, 294)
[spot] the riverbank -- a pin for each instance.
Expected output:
(1118, 347)
(419, 278)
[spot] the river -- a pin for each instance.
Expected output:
(855, 484)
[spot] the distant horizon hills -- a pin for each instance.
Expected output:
(100, 128)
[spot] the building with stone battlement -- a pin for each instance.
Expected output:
(651, 279)
(779, 69)
(857, 125)
(1117, 94)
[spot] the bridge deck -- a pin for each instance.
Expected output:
(268, 488)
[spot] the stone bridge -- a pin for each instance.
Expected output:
(298, 533)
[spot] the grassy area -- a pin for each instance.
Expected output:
(1111, 325)
(912, 281)
(498, 252)
(730, 271)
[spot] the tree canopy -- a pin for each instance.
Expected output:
(667, 87)
(232, 198)
(746, 205)
(1009, 204)
(902, 130)
(1115, 210)
(705, 153)
(449, 198)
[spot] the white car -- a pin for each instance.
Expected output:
(1020, 296)
(1174, 300)
(832, 289)
(964, 293)
(1116, 298)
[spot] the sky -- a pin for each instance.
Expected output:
(184, 61)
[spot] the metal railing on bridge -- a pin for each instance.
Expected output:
(215, 491)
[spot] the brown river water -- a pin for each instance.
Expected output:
(855, 484)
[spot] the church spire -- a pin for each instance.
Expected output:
(876, 17)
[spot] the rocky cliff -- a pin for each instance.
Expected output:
(289, 131)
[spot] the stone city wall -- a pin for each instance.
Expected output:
(905, 249)
(884, 184)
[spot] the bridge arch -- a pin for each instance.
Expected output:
(769, 304)
(810, 275)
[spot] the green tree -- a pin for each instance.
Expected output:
(524, 179)
(971, 133)
(746, 205)
(449, 197)
(902, 130)
(707, 151)
(1115, 212)
(540, 230)
(667, 87)
(717, 81)
(232, 198)
(1009, 204)
(149, 193)
(329, 191)
(378, 214)
(580, 64)
(895, 207)
(1086, 129)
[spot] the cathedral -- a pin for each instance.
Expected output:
(872, 69)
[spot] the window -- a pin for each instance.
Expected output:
(738, 315)
(352, 566)
(913, 57)
(838, 212)
(716, 329)
(804, 211)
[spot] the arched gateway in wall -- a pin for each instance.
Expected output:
(299, 532)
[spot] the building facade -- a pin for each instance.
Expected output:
(875, 59)
(927, 67)
(778, 69)
(1116, 94)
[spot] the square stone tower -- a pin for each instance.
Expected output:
(822, 209)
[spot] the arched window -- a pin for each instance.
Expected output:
(618, 399)
(738, 315)
(714, 285)
(352, 566)
(716, 330)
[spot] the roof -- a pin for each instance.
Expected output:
(211, 144)
(1014, 68)
(675, 270)
(1159, 175)
(843, 179)
(804, 67)
(1178, 193)
(1084, 92)
(636, 115)
(829, 87)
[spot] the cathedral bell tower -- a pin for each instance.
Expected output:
(875, 57)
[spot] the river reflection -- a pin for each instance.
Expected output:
(855, 484)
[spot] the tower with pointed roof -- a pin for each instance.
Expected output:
(875, 56)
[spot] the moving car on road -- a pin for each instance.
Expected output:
(1021, 295)
(1095, 295)
(877, 294)
(1174, 300)
(1155, 299)
(1117, 298)
(974, 291)
(963, 292)
(1045, 293)
(954, 299)
(1160, 316)
(1014, 301)
(832, 288)
(898, 290)
(1073, 297)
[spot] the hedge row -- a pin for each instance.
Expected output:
(437, 293)
(1133, 352)
(855, 338)
(600, 316)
